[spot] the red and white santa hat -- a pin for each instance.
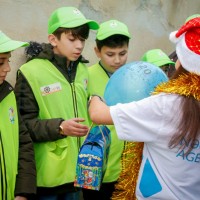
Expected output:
(187, 40)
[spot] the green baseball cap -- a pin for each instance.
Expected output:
(7, 44)
(69, 17)
(192, 17)
(112, 27)
(157, 57)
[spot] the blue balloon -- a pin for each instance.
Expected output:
(132, 82)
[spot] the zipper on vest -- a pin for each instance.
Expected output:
(75, 109)
(108, 74)
(69, 71)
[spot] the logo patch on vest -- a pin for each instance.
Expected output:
(49, 89)
(85, 83)
(11, 114)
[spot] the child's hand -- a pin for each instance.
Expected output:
(72, 127)
(20, 198)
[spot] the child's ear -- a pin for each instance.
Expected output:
(52, 40)
(98, 53)
(177, 64)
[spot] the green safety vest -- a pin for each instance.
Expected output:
(57, 98)
(9, 145)
(98, 80)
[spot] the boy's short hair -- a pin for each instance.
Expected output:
(112, 33)
(68, 17)
(113, 41)
(80, 32)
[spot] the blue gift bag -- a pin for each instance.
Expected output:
(92, 158)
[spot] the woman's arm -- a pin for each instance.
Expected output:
(99, 112)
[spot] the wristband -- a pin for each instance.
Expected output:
(94, 95)
(61, 130)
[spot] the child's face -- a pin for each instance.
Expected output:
(4, 66)
(168, 69)
(68, 46)
(112, 58)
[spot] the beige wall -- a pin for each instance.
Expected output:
(149, 21)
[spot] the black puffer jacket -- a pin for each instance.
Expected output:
(26, 178)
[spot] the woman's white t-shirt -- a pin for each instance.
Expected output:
(165, 173)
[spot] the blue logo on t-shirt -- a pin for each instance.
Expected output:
(149, 184)
(193, 155)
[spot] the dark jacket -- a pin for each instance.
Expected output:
(46, 129)
(26, 178)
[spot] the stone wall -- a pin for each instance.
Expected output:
(149, 22)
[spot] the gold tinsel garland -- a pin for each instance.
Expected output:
(186, 84)
(131, 160)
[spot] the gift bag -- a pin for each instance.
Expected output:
(92, 158)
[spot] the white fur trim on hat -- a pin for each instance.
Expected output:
(173, 37)
(189, 60)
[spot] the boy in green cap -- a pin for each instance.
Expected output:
(160, 59)
(17, 164)
(112, 41)
(51, 91)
